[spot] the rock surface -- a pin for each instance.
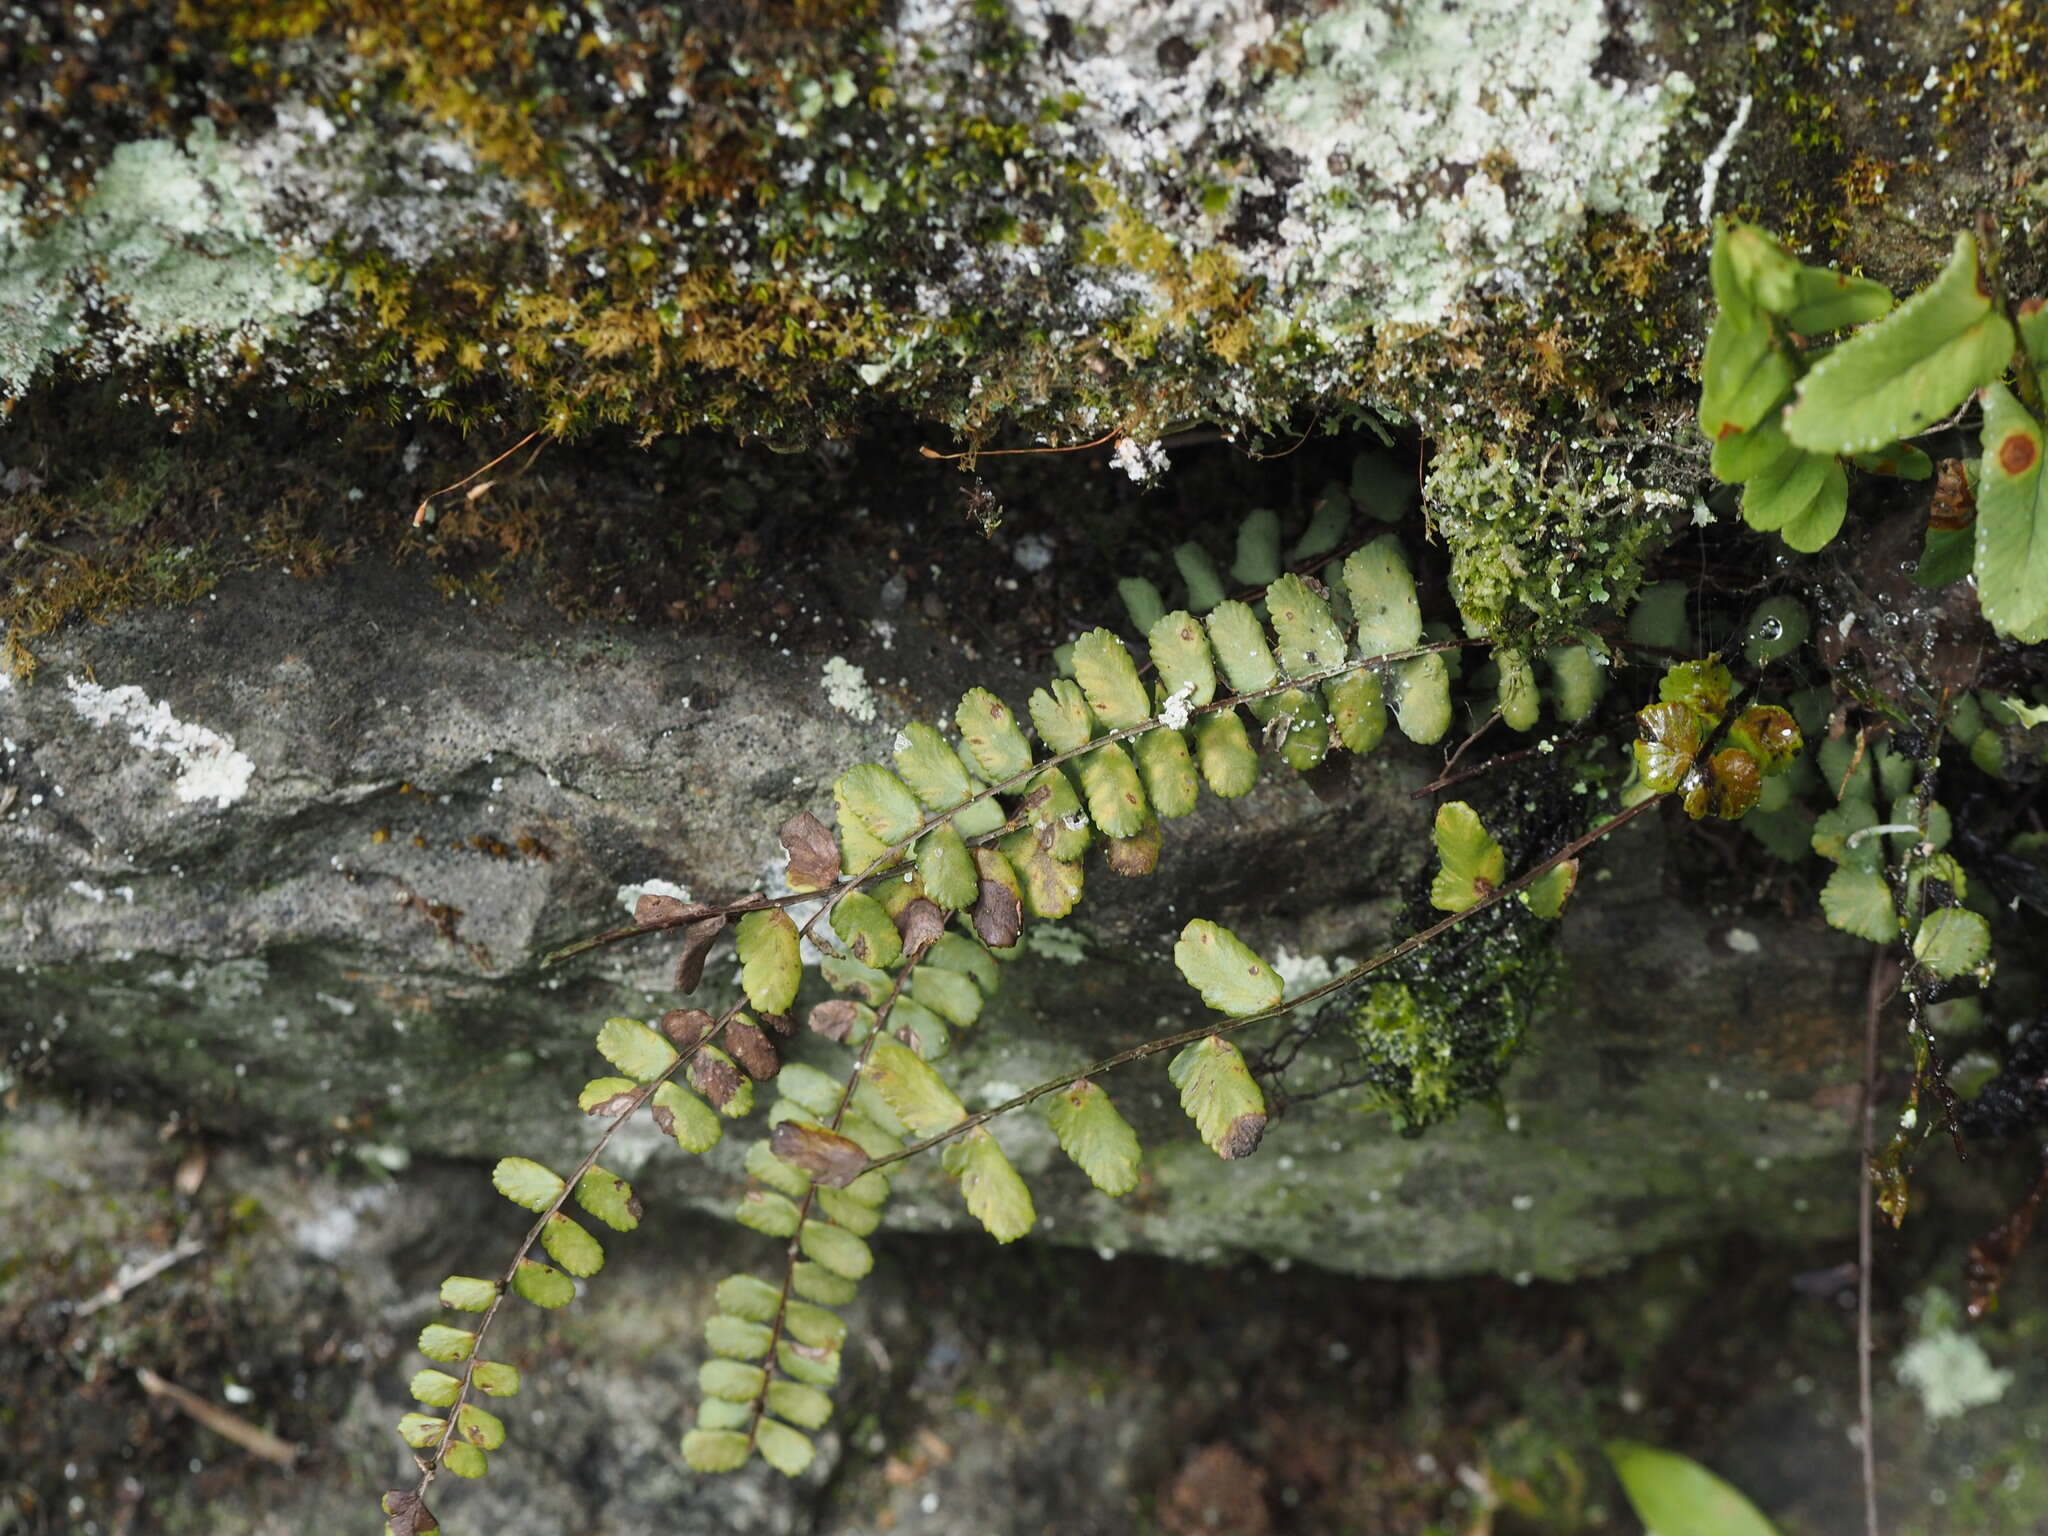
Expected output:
(285, 862)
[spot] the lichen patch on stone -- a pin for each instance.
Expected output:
(209, 767)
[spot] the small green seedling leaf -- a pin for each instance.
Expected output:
(1220, 1095)
(1224, 970)
(1952, 941)
(526, 1183)
(995, 1195)
(1098, 1139)
(1898, 377)
(465, 1460)
(1471, 864)
(639, 1052)
(1677, 1497)
(2012, 521)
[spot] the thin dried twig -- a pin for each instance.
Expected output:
(132, 1277)
(419, 515)
(222, 1421)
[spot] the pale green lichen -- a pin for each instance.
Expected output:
(1451, 146)
(1947, 1367)
(170, 240)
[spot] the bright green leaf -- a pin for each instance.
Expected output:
(542, 1286)
(1224, 970)
(783, 1448)
(1168, 772)
(880, 802)
(1383, 599)
(1471, 864)
(989, 731)
(2012, 521)
(421, 1431)
(440, 1342)
(771, 966)
(1952, 941)
(437, 1389)
(1899, 376)
(570, 1246)
(1677, 1497)
(748, 1297)
(1204, 582)
(1180, 655)
(951, 995)
(526, 1183)
(917, 1094)
(1103, 667)
(1060, 712)
(609, 1198)
(1141, 601)
(680, 1113)
(1358, 710)
(1517, 695)
(805, 1407)
(731, 1380)
(734, 1338)
(1239, 642)
(634, 1049)
(1096, 1137)
(1310, 640)
(835, 1248)
(766, 1212)
(465, 1293)
(1422, 698)
(1548, 895)
(947, 869)
(1223, 748)
(1858, 901)
(465, 1460)
(496, 1378)
(1115, 795)
(480, 1427)
(716, 1450)
(995, 1195)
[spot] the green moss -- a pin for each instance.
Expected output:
(1538, 551)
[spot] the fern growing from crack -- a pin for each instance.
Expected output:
(937, 864)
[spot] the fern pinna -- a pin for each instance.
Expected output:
(937, 865)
